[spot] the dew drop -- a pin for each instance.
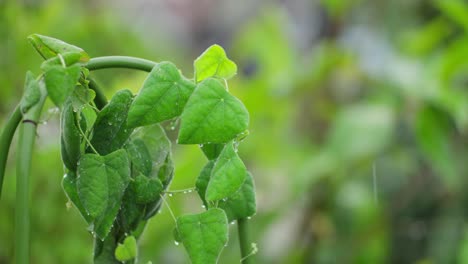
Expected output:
(170, 194)
(176, 243)
(233, 222)
(172, 127)
(203, 206)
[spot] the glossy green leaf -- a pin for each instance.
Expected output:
(212, 115)
(110, 130)
(70, 139)
(214, 63)
(147, 189)
(89, 115)
(32, 93)
(227, 176)
(241, 204)
(127, 250)
(60, 82)
(203, 235)
(162, 97)
(49, 47)
(69, 187)
(101, 183)
(212, 151)
(131, 212)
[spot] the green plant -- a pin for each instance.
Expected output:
(117, 156)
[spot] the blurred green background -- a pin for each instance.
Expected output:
(359, 122)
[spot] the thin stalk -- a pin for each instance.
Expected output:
(244, 241)
(5, 141)
(100, 99)
(27, 135)
(107, 62)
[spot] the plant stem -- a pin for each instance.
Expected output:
(5, 141)
(244, 241)
(100, 99)
(120, 62)
(27, 135)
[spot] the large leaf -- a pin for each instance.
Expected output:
(214, 63)
(203, 235)
(227, 176)
(60, 82)
(212, 115)
(70, 138)
(162, 97)
(101, 183)
(110, 130)
(49, 47)
(69, 187)
(32, 93)
(140, 157)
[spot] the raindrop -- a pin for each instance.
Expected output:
(172, 127)
(203, 206)
(170, 194)
(176, 243)
(248, 218)
(201, 145)
(109, 123)
(233, 222)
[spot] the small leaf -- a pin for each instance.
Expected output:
(241, 204)
(49, 47)
(147, 189)
(203, 235)
(69, 187)
(89, 115)
(60, 82)
(70, 139)
(227, 176)
(32, 92)
(101, 183)
(203, 179)
(162, 97)
(110, 130)
(81, 96)
(214, 63)
(140, 157)
(127, 250)
(212, 115)
(68, 59)
(212, 151)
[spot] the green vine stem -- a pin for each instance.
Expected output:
(244, 241)
(107, 62)
(100, 99)
(5, 141)
(27, 135)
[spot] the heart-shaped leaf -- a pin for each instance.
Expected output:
(140, 157)
(162, 97)
(147, 189)
(241, 204)
(127, 250)
(110, 130)
(203, 235)
(212, 115)
(227, 176)
(60, 82)
(32, 92)
(101, 183)
(214, 63)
